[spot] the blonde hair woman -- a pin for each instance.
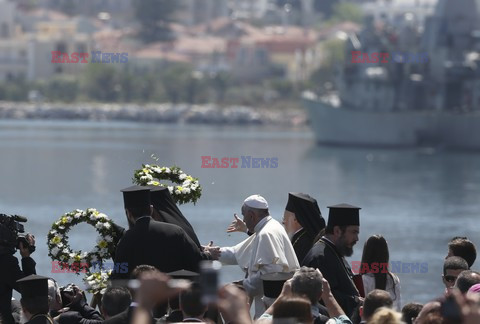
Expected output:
(386, 316)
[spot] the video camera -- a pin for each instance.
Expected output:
(11, 232)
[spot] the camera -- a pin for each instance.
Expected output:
(209, 281)
(70, 289)
(11, 233)
(69, 294)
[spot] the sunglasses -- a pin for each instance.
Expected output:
(450, 278)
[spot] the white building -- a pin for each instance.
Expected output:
(13, 51)
(250, 8)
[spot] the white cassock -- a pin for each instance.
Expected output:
(267, 251)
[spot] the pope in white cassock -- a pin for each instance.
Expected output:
(267, 251)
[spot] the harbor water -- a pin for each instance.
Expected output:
(418, 199)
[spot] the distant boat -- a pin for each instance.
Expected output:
(400, 103)
(341, 126)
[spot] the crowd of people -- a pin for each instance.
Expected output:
(295, 272)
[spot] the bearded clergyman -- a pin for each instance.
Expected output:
(329, 252)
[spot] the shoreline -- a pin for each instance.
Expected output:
(153, 113)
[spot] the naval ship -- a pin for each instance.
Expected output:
(404, 102)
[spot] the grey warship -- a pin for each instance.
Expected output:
(407, 103)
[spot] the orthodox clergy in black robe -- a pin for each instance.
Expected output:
(165, 210)
(308, 215)
(336, 271)
(326, 257)
(34, 290)
(302, 242)
(164, 246)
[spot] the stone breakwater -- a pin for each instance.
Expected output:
(154, 113)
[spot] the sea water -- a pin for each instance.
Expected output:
(418, 199)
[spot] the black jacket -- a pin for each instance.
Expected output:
(80, 314)
(325, 257)
(10, 272)
(164, 246)
(124, 317)
(121, 318)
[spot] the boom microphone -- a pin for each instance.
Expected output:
(19, 218)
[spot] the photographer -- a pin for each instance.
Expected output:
(10, 270)
(75, 308)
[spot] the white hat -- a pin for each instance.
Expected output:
(256, 201)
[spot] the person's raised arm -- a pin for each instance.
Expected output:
(237, 225)
(333, 308)
(155, 288)
(286, 291)
(233, 305)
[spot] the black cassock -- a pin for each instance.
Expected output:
(165, 210)
(164, 246)
(325, 257)
(302, 242)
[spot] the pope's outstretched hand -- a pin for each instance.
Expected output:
(237, 225)
(214, 251)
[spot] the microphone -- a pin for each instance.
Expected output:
(19, 218)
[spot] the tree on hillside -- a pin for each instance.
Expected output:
(334, 51)
(347, 11)
(176, 80)
(154, 17)
(100, 82)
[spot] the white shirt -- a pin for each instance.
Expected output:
(268, 250)
(369, 285)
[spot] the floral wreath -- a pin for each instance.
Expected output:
(60, 250)
(187, 190)
(97, 282)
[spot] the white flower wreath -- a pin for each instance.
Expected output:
(187, 190)
(97, 282)
(57, 239)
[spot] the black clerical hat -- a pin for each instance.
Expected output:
(183, 273)
(33, 286)
(136, 196)
(306, 212)
(343, 215)
(158, 194)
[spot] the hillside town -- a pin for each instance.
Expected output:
(227, 53)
